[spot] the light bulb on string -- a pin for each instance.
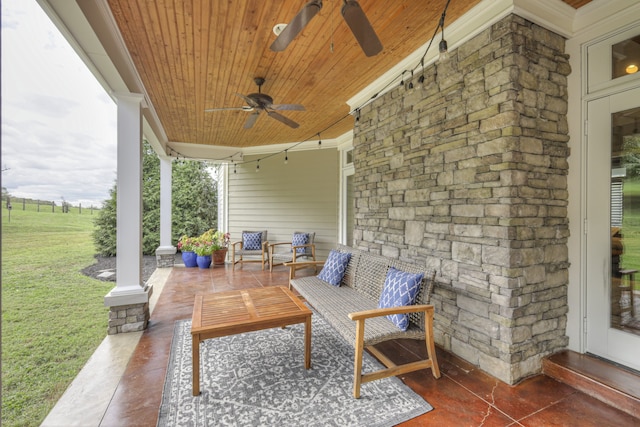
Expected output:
(258, 166)
(319, 142)
(442, 47)
(444, 50)
(286, 157)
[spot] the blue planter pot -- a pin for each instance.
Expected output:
(189, 259)
(204, 261)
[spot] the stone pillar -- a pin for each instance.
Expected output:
(467, 174)
(165, 254)
(129, 300)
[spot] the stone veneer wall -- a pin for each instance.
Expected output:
(128, 318)
(468, 175)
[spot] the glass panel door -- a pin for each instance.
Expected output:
(625, 220)
(613, 228)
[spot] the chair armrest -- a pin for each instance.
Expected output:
(235, 246)
(272, 246)
(293, 266)
(279, 243)
(378, 312)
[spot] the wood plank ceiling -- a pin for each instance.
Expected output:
(197, 54)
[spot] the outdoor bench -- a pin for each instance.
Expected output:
(354, 304)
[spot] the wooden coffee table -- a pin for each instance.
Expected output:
(235, 312)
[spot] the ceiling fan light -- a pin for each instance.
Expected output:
(278, 28)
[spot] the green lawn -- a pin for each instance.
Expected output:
(631, 227)
(53, 317)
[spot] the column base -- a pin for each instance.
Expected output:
(128, 309)
(128, 318)
(165, 256)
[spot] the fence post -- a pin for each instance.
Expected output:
(24, 205)
(53, 206)
(80, 208)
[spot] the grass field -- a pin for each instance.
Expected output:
(631, 227)
(53, 317)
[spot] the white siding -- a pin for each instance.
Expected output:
(299, 196)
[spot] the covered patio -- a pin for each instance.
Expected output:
(122, 384)
(474, 163)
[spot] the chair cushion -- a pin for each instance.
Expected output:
(400, 288)
(299, 239)
(334, 267)
(252, 241)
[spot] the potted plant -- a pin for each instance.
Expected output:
(203, 248)
(219, 244)
(186, 246)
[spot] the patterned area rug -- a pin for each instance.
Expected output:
(258, 379)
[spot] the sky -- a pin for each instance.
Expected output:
(59, 132)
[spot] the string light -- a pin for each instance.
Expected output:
(442, 47)
(286, 157)
(258, 166)
(319, 141)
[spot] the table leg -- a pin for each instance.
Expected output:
(195, 369)
(307, 343)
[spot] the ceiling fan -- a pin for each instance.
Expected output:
(352, 14)
(257, 102)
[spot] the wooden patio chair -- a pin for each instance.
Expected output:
(301, 246)
(253, 247)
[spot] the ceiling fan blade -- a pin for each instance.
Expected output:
(283, 119)
(296, 25)
(290, 107)
(251, 120)
(361, 28)
(244, 108)
(250, 101)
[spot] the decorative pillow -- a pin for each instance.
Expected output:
(252, 241)
(400, 288)
(334, 267)
(299, 239)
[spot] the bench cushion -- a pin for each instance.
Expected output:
(335, 303)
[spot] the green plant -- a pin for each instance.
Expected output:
(211, 241)
(186, 244)
(194, 204)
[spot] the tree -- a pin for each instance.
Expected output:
(194, 204)
(195, 199)
(104, 233)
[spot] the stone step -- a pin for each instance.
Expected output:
(612, 384)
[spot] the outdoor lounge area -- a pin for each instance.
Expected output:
(127, 392)
(470, 155)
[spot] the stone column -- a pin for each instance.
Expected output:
(129, 300)
(165, 254)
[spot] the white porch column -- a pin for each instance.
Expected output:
(129, 300)
(165, 254)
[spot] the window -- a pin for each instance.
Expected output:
(625, 57)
